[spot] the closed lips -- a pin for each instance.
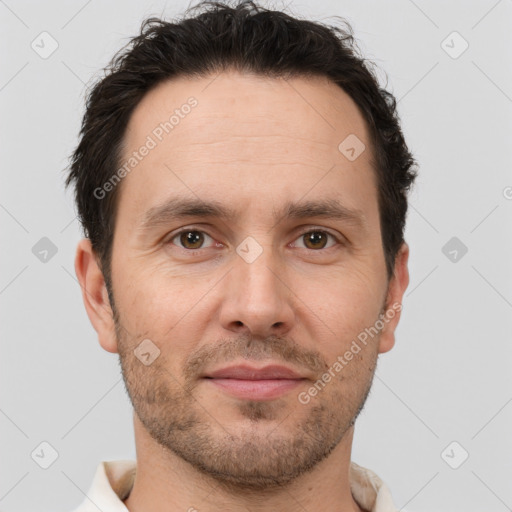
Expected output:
(250, 373)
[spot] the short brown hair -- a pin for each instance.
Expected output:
(246, 37)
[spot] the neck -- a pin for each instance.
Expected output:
(166, 483)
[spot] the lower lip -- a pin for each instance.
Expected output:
(257, 389)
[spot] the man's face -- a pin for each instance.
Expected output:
(264, 287)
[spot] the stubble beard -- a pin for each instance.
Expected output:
(242, 459)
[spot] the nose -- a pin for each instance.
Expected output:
(257, 300)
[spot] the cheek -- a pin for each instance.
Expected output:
(164, 309)
(343, 308)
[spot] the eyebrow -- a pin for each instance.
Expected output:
(179, 208)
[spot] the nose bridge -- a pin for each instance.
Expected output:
(257, 297)
(257, 275)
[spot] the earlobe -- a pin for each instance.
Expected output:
(396, 289)
(94, 295)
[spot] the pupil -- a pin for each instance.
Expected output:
(194, 238)
(191, 238)
(316, 237)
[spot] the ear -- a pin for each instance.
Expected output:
(94, 295)
(396, 289)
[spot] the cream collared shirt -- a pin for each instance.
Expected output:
(113, 482)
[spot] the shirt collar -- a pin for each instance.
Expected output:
(113, 482)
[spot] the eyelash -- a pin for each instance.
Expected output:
(310, 230)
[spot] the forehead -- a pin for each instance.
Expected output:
(236, 135)
(314, 108)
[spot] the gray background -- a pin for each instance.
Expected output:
(448, 377)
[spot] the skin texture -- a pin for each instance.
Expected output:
(251, 144)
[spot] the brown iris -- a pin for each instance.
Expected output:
(194, 238)
(315, 238)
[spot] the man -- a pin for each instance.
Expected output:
(241, 180)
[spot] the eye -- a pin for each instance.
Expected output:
(191, 239)
(317, 239)
(194, 239)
